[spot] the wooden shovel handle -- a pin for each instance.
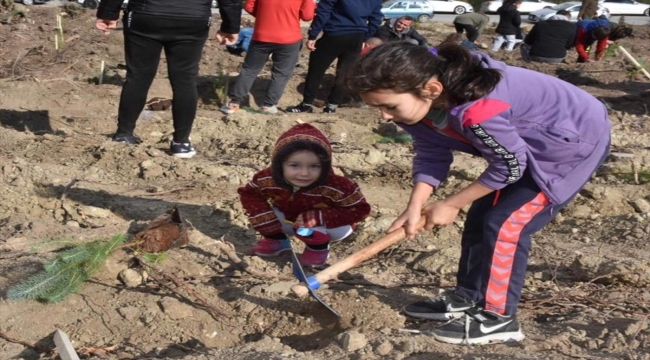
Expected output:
(356, 258)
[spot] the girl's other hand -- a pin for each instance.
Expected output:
(439, 213)
(408, 220)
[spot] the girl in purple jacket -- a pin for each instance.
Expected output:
(541, 143)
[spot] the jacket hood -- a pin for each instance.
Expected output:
(301, 137)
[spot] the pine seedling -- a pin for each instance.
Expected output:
(67, 272)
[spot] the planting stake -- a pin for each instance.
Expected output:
(633, 60)
(101, 73)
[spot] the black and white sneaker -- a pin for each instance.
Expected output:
(444, 307)
(300, 108)
(182, 150)
(479, 327)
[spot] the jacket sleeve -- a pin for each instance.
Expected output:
(109, 9)
(349, 209)
(486, 125)
(307, 10)
(432, 160)
(516, 19)
(482, 24)
(323, 13)
(374, 21)
(581, 39)
(250, 7)
(422, 41)
(601, 47)
(259, 212)
(230, 11)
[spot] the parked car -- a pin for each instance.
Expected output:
(572, 7)
(93, 4)
(526, 6)
(451, 6)
(420, 10)
(626, 7)
(31, 2)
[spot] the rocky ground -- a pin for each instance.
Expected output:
(586, 293)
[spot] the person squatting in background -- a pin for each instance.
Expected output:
(509, 25)
(400, 29)
(181, 29)
(539, 155)
(600, 31)
(277, 34)
(549, 40)
(345, 25)
(472, 24)
(300, 190)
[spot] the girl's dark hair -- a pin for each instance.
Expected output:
(600, 32)
(405, 68)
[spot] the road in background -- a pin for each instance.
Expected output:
(631, 20)
(449, 18)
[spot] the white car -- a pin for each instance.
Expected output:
(572, 7)
(451, 6)
(526, 6)
(626, 7)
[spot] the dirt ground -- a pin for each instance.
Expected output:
(586, 293)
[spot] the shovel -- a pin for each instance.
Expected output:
(299, 272)
(312, 283)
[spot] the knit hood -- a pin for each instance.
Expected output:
(301, 137)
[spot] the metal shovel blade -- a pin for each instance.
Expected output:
(300, 274)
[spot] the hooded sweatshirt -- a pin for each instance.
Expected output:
(585, 39)
(557, 131)
(334, 200)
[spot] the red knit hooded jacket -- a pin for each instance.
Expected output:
(332, 200)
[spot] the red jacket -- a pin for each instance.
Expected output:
(582, 43)
(333, 200)
(278, 21)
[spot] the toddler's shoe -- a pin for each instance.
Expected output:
(314, 258)
(267, 247)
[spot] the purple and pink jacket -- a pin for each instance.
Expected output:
(529, 121)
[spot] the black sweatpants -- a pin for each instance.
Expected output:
(472, 33)
(345, 48)
(145, 36)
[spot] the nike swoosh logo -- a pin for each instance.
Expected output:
(487, 330)
(453, 309)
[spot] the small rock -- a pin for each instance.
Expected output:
(353, 341)
(374, 157)
(130, 278)
(73, 224)
(384, 348)
(174, 309)
(641, 205)
(129, 312)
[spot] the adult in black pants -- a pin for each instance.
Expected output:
(181, 29)
(345, 25)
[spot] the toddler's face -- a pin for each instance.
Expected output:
(302, 168)
(404, 108)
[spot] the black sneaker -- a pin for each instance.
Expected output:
(300, 108)
(479, 327)
(182, 150)
(126, 139)
(329, 109)
(443, 307)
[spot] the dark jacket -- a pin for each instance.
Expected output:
(388, 33)
(509, 20)
(230, 10)
(342, 17)
(551, 38)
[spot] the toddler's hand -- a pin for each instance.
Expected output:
(308, 219)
